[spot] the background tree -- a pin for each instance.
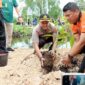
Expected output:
(42, 6)
(81, 4)
(54, 9)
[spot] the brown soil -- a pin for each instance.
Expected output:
(27, 71)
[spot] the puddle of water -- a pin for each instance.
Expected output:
(26, 42)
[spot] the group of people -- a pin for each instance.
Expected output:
(76, 18)
(45, 32)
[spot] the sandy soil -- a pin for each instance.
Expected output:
(27, 72)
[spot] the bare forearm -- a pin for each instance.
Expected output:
(39, 53)
(76, 49)
(78, 45)
(17, 11)
(37, 50)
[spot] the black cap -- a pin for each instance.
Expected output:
(44, 17)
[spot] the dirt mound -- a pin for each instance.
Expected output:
(49, 60)
(73, 67)
(28, 71)
(53, 78)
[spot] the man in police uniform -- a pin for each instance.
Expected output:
(45, 32)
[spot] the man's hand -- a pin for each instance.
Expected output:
(66, 61)
(42, 61)
(53, 53)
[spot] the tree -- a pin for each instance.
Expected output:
(81, 4)
(43, 6)
(54, 9)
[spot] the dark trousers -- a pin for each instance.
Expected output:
(2, 34)
(43, 41)
(82, 66)
(4, 57)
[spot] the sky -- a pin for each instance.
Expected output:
(64, 2)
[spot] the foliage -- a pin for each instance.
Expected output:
(24, 30)
(54, 11)
(62, 35)
(53, 7)
(71, 41)
(64, 32)
(24, 14)
(81, 4)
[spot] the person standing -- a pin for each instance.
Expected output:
(7, 9)
(2, 32)
(3, 51)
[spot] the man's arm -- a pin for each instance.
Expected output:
(36, 47)
(19, 15)
(78, 45)
(35, 41)
(17, 11)
(76, 38)
(15, 4)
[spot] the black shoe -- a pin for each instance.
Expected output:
(10, 49)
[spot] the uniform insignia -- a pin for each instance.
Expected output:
(45, 17)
